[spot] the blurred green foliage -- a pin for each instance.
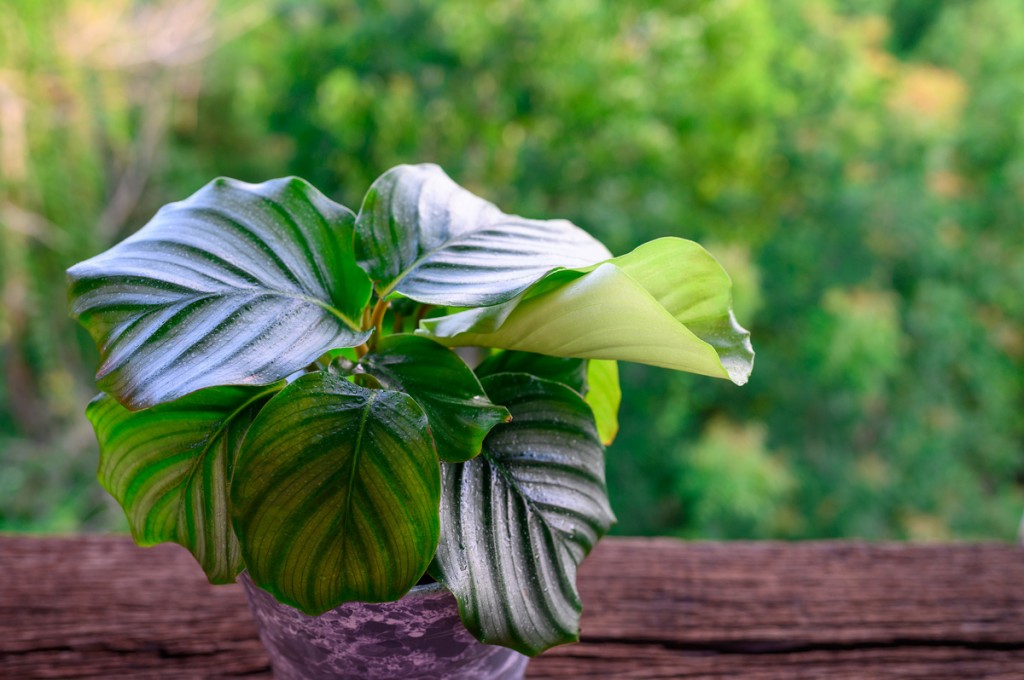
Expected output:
(857, 166)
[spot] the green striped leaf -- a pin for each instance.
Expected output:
(458, 410)
(420, 234)
(238, 284)
(667, 303)
(335, 495)
(169, 467)
(517, 520)
(597, 380)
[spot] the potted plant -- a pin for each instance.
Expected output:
(280, 396)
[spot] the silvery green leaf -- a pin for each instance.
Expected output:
(240, 284)
(422, 235)
(517, 520)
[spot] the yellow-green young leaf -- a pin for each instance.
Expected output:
(459, 412)
(335, 494)
(667, 304)
(604, 395)
(240, 284)
(169, 467)
(422, 235)
(519, 518)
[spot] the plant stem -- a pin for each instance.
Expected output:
(422, 312)
(377, 320)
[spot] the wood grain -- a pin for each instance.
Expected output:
(98, 606)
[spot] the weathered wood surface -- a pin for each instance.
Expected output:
(101, 607)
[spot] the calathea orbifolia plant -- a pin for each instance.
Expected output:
(280, 392)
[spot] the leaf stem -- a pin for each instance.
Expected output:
(377, 320)
(422, 312)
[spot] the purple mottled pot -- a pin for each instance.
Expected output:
(419, 636)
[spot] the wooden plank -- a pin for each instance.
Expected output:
(98, 606)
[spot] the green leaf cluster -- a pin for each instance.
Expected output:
(266, 407)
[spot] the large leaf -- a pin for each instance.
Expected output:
(169, 467)
(335, 496)
(459, 412)
(421, 234)
(238, 284)
(518, 519)
(667, 304)
(597, 380)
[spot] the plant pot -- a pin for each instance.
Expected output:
(419, 636)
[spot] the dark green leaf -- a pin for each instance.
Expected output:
(169, 467)
(335, 494)
(571, 372)
(518, 519)
(239, 284)
(421, 234)
(459, 412)
(596, 379)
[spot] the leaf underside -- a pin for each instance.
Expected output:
(169, 467)
(666, 304)
(517, 520)
(238, 284)
(335, 496)
(604, 397)
(422, 235)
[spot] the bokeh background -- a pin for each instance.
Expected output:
(857, 165)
